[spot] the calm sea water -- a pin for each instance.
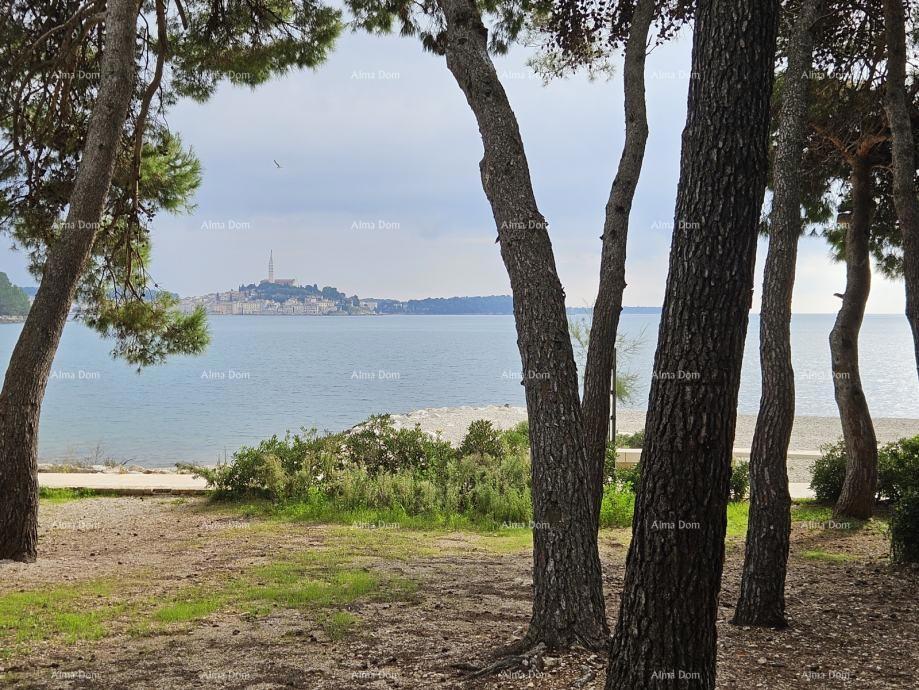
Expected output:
(263, 375)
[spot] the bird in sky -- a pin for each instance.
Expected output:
(276, 163)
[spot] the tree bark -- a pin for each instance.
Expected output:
(601, 348)
(762, 587)
(903, 158)
(568, 606)
(665, 636)
(857, 497)
(30, 364)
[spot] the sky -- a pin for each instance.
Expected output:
(379, 195)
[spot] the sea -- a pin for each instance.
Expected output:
(265, 375)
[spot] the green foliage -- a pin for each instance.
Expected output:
(517, 438)
(42, 138)
(898, 469)
(829, 472)
(378, 446)
(247, 43)
(636, 440)
(395, 474)
(617, 507)
(904, 529)
(146, 332)
(13, 301)
(740, 481)
(277, 468)
(482, 439)
(626, 382)
(628, 477)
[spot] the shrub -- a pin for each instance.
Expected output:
(609, 463)
(379, 447)
(740, 481)
(482, 439)
(829, 472)
(517, 438)
(904, 529)
(617, 507)
(628, 478)
(482, 489)
(636, 440)
(898, 468)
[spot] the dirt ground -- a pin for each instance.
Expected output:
(854, 618)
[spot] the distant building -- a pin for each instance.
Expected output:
(271, 280)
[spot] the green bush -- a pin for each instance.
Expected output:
(636, 440)
(617, 507)
(740, 481)
(898, 469)
(398, 473)
(517, 438)
(379, 447)
(482, 439)
(904, 529)
(609, 463)
(829, 472)
(628, 478)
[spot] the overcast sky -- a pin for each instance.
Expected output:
(379, 195)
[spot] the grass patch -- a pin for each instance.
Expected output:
(738, 513)
(59, 613)
(320, 510)
(322, 582)
(339, 624)
(190, 607)
(65, 495)
(820, 555)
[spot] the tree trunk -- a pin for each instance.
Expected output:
(30, 364)
(857, 497)
(904, 162)
(608, 306)
(568, 606)
(665, 636)
(762, 587)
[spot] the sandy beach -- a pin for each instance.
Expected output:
(809, 434)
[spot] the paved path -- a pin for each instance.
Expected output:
(131, 483)
(125, 483)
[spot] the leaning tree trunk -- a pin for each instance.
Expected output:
(608, 306)
(30, 364)
(568, 606)
(762, 587)
(904, 161)
(857, 497)
(665, 635)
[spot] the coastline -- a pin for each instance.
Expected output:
(808, 435)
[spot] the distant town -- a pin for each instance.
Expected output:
(273, 296)
(284, 296)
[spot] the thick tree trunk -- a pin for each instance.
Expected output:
(568, 606)
(30, 364)
(762, 587)
(608, 306)
(904, 161)
(665, 636)
(857, 497)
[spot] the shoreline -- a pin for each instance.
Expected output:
(809, 433)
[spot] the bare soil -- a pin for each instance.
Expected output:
(855, 622)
